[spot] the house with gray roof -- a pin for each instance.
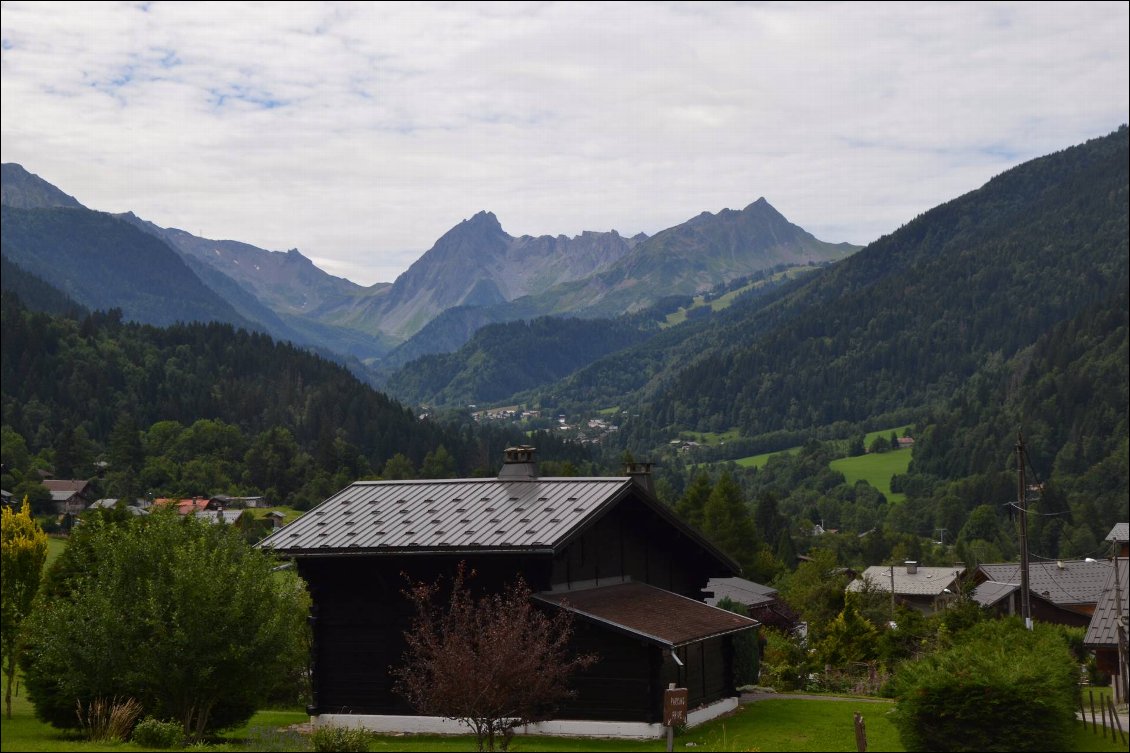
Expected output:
(603, 549)
(762, 602)
(927, 589)
(1107, 631)
(1064, 592)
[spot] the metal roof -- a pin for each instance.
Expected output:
(651, 613)
(449, 515)
(1102, 631)
(739, 590)
(990, 592)
(1063, 582)
(1120, 532)
(928, 581)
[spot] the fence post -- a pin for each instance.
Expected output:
(860, 733)
(1117, 721)
(1092, 694)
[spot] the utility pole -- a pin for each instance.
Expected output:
(1022, 505)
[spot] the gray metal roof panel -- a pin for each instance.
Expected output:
(990, 592)
(1120, 532)
(448, 515)
(739, 590)
(1076, 582)
(928, 581)
(1102, 630)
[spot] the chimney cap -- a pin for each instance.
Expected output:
(519, 463)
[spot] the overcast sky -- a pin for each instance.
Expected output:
(360, 133)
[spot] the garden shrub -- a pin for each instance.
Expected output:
(999, 687)
(107, 720)
(153, 733)
(331, 738)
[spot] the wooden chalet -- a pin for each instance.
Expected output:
(602, 548)
(1107, 631)
(1063, 592)
(927, 589)
(69, 496)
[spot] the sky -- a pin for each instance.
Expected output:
(359, 133)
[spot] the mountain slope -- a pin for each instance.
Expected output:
(693, 257)
(478, 264)
(24, 190)
(103, 263)
(903, 322)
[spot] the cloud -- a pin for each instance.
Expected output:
(360, 133)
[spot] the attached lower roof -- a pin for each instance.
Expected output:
(657, 616)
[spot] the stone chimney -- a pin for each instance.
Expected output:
(519, 464)
(911, 567)
(641, 474)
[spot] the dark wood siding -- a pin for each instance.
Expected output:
(621, 685)
(633, 542)
(360, 616)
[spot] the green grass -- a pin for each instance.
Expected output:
(759, 461)
(876, 469)
(55, 547)
(784, 724)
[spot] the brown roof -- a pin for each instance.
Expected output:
(651, 613)
(74, 486)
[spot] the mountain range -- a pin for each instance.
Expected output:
(476, 269)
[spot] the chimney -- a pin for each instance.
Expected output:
(640, 473)
(911, 567)
(519, 464)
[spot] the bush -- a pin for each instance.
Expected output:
(331, 738)
(153, 733)
(1000, 687)
(158, 609)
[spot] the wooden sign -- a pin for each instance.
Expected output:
(675, 706)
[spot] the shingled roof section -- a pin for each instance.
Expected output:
(1066, 582)
(1103, 629)
(658, 616)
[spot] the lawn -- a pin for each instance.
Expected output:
(784, 724)
(876, 469)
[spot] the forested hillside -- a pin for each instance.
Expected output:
(504, 359)
(70, 384)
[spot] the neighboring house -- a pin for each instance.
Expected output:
(228, 502)
(604, 549)
(1063, 592)
(187, 506)
(927, 589)
(275, 518)
(69, 496)
(136, 507)
(5, 497)
(1107, 630)
(761, 601)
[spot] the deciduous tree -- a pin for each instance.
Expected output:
(494, 663)
(23, 550)
(178, 613)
